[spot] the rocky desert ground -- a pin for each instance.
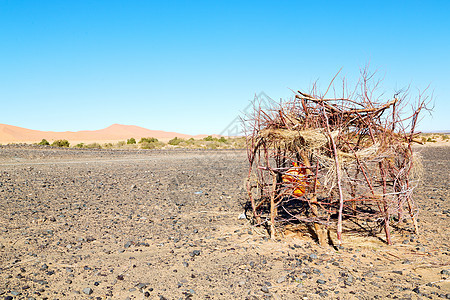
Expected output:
(146, 224)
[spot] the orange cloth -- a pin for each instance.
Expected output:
(297, 177)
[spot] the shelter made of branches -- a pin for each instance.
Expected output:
(324, 161)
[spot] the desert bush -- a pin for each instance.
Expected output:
(93, 146)
(121, 143)
(445, 137)
(80, 145)
(213, 145)
(209, 138)
(108, 145)
(148, 140)
(239, 143)
(175, 141)
(61, 143)
(222, 140)
(44, 142)
(431, 140)
(424, 139)
(131, 141)
(152, 145)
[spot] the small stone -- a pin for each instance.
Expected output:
(320, 281)
(281, 279)
(9, 298)
(127, 245)
(132, 290)
(265, 289)
(406, 262)
(146, 294)
(88, 291)
(416, 290)
(185, 264)
(142, 285)
(312, 256)
(196, 252)
(96, 283)
(44, 267)
(398, 272)
(119, 277)
(446, 272)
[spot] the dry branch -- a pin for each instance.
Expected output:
(355, 154)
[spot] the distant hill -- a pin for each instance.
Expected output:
(115, 132)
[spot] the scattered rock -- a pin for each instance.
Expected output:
(312, 256)
(88, 291)
(142, 285)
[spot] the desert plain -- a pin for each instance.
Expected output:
(164, 224)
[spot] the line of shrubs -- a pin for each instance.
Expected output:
(208, 142)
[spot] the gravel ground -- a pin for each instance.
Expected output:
(111, 224)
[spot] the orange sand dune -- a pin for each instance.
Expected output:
(115, 132)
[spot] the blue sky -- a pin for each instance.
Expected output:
(193, 66)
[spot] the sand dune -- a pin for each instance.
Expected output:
(115, 132)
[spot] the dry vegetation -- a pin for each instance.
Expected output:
(208, 142)
(322, 161)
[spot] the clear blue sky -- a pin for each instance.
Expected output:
(193, 66)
